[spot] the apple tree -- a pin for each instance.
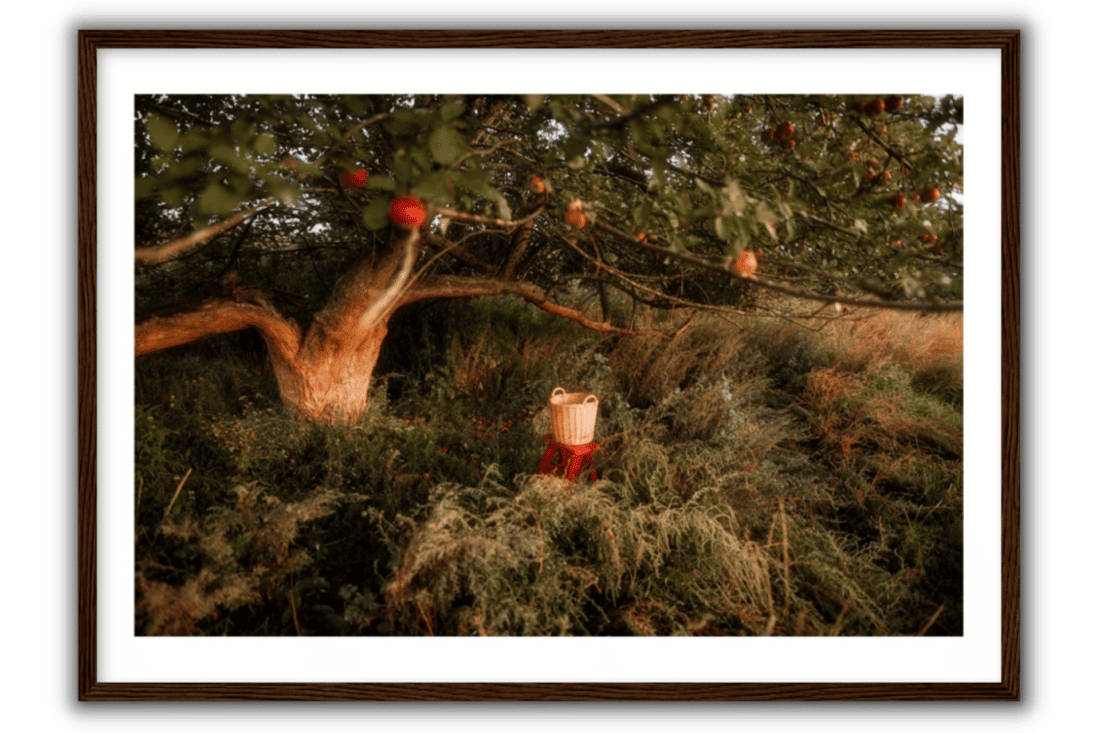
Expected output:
(312, 219)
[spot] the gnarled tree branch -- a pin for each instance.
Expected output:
(478, 219)
(454, 286)
(220, 315)
(721, 266)
(158, 253)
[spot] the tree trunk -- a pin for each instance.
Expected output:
(325, 374)
(333, 388)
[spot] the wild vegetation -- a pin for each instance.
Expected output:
(352, 309)
(754, 477)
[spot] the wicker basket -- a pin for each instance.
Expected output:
(573, 416)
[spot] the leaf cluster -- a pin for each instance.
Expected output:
(672, 188)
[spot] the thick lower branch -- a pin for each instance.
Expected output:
(446, 286)
(283, 336)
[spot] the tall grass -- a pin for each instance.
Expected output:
(752, 479)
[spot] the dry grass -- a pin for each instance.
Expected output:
(865, 340)
(652, 368)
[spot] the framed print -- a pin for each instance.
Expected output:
(977, 659)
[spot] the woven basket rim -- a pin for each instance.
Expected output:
(572, 399)
(573, 416)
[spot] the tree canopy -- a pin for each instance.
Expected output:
(285, 204)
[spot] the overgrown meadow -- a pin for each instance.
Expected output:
(755, 477)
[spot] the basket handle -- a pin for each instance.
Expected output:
(556, 392)
(590, 398)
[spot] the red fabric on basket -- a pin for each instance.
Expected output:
(571, 461)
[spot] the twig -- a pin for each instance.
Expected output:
(176, 495)
(485, 152)
(427, 621)
(835, 631)
(931, 621)
(786, 560)
(463, 216)
(347, 136)
(293, 607)
(610, 102)
(874, 136)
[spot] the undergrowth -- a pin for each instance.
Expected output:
(753, 479)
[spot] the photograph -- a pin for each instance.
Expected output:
(642, 379)
(538, 364)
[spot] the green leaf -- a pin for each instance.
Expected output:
(420, 160)
(655, 129)
(402, 168)
(356, 104)
(173, 196)
(239, 184)
(381, 183)
(447, 144)
(724, 227)
(477, 183)
(733, 197)
(282, 189)
(193, 140)
(308, 169)
(433, 187)
(473, 180)
(144, 186)
(403, 122)
(216, 200)
(240, 130)
(643, 214)
(377, 214)
(452, 110)
(502, 205)
(227, 156)
(163, 132)
(574, 151)
(264, 144)
(307, 121)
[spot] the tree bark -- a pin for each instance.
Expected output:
(324, 375)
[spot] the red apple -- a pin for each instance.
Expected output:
(746, 264)
(407, 212)
(353, 179)
(930, 194)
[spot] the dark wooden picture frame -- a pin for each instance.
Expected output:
(1007, 42)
